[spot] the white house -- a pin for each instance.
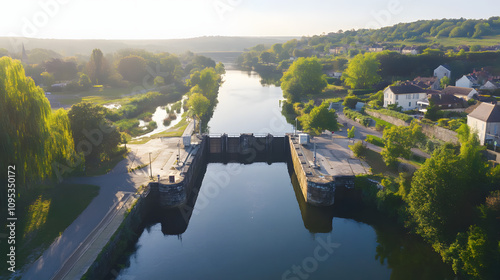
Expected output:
(405, 96)
(442, 71)
(485, 121)
(409, 50)
(489, 85)
(461, 92)
(467, 81)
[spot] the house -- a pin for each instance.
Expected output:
(442, 71)
(490, 85)
(405, 95)
(338, 50)
(461, 92)
(427, 82)
(375, 48)
(441, 100)
(467, 81)
(333, 74)
(485, 121)
(409, 50)
(337, 75)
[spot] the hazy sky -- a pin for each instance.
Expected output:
(163, 19)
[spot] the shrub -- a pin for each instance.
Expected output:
(358, 149)
(353, 115)
(152, 125)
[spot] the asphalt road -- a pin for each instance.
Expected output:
(362, 131)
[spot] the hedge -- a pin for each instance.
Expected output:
(353, 115)
(394, 114)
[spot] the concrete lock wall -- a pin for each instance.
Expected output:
(176, 194)
(314, 190)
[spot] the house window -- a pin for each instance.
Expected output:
(397, 97)
(409, 104)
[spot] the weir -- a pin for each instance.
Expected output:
(317, 189)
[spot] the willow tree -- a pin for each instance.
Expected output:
(32, 136)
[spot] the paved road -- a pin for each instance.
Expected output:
(362, 131)
(113, 186)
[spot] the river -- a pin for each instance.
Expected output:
(251, 221)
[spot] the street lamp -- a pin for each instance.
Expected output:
(178, 152)
(150, 167)
(296, 126)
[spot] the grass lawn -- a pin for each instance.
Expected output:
(377, 141)
(377, 164)
(43, 214)
(106, 166)
(107, 95)
(331, 91)
(453, 42)
(382, 122)
(175, 131)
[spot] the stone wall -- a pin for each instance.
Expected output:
(120, 243)
(431, 131)
(439, 133)
(389, 119)
(491, 155)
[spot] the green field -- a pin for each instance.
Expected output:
(107, 95)
(454, 42)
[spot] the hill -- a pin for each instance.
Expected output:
(85, 47)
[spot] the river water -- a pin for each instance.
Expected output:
(251, 221)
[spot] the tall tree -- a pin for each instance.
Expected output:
(93, 135)
(320, 119)
(208, 82)
(198, 104)
(132, 68)
(97, 68)
(399, 140)
(362, 71)
(305, 76)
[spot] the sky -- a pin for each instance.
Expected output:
(168, 19)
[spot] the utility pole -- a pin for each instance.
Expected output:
(178, 152)
(150, 167)
(296, 126)
(314, 154)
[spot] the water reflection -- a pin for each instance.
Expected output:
(257, 226)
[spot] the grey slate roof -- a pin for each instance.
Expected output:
(406, 88)
(486, 112)
(457, 90)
